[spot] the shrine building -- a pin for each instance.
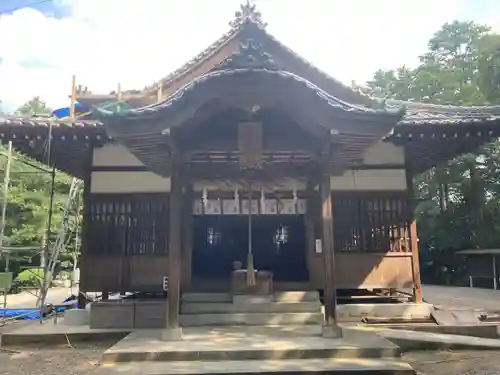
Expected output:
(250, 171)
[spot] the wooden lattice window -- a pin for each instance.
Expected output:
(371, 222)
(127, 224)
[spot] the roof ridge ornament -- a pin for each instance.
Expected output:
(249, 55)
(248, 13)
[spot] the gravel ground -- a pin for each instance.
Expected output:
(455, 363)
(81, 360)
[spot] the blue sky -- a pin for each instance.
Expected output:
(137, 42)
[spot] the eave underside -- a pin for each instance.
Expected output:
(427, 143)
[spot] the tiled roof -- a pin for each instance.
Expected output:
(47, 122)
(241, 71)
(422, 113)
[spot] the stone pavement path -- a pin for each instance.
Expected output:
(28, 300)
(462, 298)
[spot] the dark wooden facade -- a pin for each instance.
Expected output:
(249, 114)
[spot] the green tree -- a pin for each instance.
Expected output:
(489, 68)
(29, 199)
(458, 201)
(34, 107)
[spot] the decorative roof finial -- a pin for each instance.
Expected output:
(249, 55)
(247, 13)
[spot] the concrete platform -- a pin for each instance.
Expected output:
(332, 366)
(230, 308)
(413, 340)
(355, 312)
(249, 343)
(484, 330)
(454, 298)
(49, 333)
(251, 319)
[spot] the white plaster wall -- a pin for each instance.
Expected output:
(370, 179)
(384, 153)
(118, 155)
(128, 182)
(114, 155)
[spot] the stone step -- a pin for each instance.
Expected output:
(290, 296)
(230, 308)
(337, 366)
(207, 297)
(250, 319)
(296, 296)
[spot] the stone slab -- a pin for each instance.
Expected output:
(484, 330)
(245, 300)
(250, 319)
(249, 343)
(355, 312)
(112, 314)
(455, 317)
(276, 307)
(412, 340)
(332, 366)
(171, 334)
(207, 297)
(49, 333)
(150, 313)
(76, 317)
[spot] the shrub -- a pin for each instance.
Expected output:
(31, 278)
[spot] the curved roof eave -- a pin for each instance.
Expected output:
(392, 113)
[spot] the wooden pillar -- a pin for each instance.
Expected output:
(309, 222)
(187, 234)
(86, 234)
(174, 253)
(415, 262)
(495, 281)
(327, 244)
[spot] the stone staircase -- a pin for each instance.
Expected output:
(254, 350)
(276, 334)
(224, 309)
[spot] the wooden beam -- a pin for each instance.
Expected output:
(227, 170)
(174, 249)
(295, 144)
(327, 242)
(309, 222)
(187, 234)
(85, 237)
(415, 259)
(159, 92)
(73, 97)
(119, 92)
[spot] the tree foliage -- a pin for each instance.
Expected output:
(34, 107)
(459, 202)
(28, 199)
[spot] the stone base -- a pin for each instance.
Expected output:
(331, 332)
(77, 317)
(171, 334)
(250, 299)
(263, 283)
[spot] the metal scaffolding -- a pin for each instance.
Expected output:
(49, 253)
